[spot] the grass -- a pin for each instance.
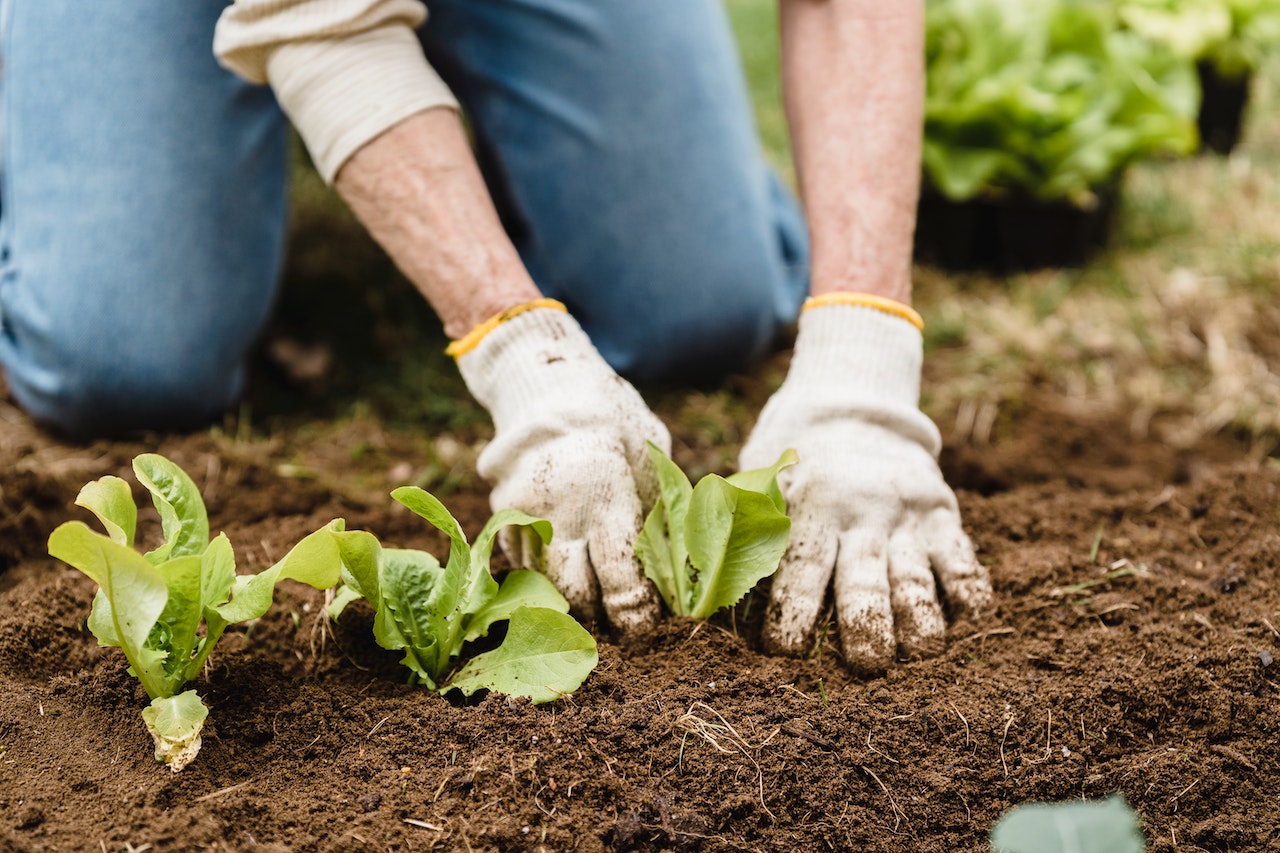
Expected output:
(1175, 324)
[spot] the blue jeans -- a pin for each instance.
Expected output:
(144, 190)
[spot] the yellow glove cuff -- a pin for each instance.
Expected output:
(867, 300)
(472, 339)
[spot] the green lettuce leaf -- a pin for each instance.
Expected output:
(706, 546)
(520, 588)
(447, 595)
(133, 593)
(406, 581)
(315, 561)
(110, 499)
(545, 655)
(183, 518)
(660, 547)
(735, 537)
(152, 606)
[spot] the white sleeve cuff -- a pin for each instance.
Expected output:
(344, 71)
(342, 92)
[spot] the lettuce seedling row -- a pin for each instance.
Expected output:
(167, 608)
(704, 547)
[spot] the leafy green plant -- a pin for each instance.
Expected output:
(1049, 100)
(1232, 35)
(153, 605)
(430, 612)
(1255, 33)
(1109, 826)
(706, 546)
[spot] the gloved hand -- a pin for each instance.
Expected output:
(569, 446)
(867, 500)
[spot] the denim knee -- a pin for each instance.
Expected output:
(717, 313)
(97, 385)
(144, 193)
(707, 300)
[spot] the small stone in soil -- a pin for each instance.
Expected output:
(1266, 658)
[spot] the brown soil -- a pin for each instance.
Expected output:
(1159, 682)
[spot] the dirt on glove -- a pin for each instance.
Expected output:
(1132, 649)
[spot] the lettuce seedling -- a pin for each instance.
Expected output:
(706, 546)
(430, 612)
(1109, 826)
(152, 605)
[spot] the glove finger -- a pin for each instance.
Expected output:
(863, 602)
(800, 585)
(964, 580)
(646, 479)
(629, 599)
(917, 615)
(568, 567)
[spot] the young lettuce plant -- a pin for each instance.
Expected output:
(152, 605)
(430, 612)
(706, 546)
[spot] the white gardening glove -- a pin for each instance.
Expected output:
(867, 500)
(569, 446)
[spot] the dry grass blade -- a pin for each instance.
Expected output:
(1004, 765)
(720, 733)
(221, 791)
(899, 816)
(319, 636)
(982, 635)
(712, 733)
(1126, 569)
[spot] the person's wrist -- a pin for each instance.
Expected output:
(872, 277)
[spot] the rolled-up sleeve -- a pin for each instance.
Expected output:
(344, 71)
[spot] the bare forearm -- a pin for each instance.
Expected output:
(853, 80)
(418, 191)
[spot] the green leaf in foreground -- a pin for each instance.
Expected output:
(705, 546)
(544, 656)
(153, 606)
(1109, 826)
(431, 612)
